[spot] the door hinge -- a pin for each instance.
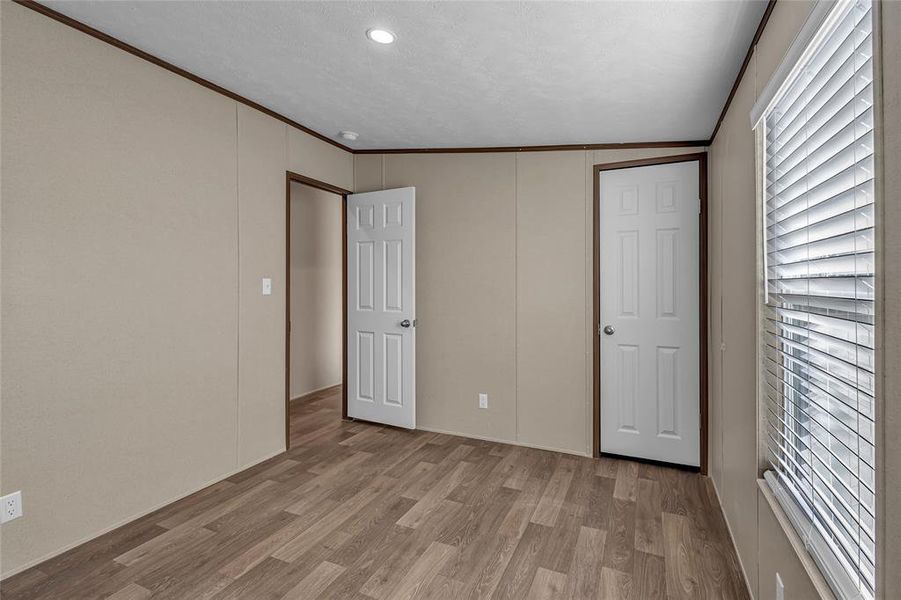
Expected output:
(600, 329)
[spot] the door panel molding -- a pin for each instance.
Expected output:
(663, 204)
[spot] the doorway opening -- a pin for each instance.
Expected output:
(650, 318)
(316, 296)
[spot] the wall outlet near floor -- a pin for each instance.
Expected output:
(11, 506)
(780, 588)
(483, 400)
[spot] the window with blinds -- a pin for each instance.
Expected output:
(818, 376)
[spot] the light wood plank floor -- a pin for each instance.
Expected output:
(364, 512)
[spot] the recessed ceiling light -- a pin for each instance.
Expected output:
(381, 36)
(349, 135)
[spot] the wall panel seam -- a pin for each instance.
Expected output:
(516, 296)
(587, 295)
(238, 304)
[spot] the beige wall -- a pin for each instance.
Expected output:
(140, 212)
(763, 546)
(503, 289)
(316, 288)
(261, 252)
(777, 554)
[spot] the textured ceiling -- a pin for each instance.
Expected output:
(460, 73)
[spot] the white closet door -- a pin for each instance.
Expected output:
(381, 307)
(650, 311)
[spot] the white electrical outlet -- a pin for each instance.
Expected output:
(780, 588)
(483, 400)
(267, 286)
(12, 507)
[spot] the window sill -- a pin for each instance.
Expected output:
(794, 540)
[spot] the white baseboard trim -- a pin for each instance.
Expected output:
(316, 391)
(486, 438)
(127, 520)
(741, 564)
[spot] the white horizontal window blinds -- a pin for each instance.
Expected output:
(819, 365)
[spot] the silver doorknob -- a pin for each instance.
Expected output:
(405, 323)
(609, 330)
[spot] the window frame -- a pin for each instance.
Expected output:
(824, 568)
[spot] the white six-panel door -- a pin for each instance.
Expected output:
(649, 305)
(381, 307)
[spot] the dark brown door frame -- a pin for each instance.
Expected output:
(701, 157)
(327, 187)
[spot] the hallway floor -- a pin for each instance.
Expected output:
(358, 511)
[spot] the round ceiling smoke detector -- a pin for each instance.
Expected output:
(381, 36)
(349, 135)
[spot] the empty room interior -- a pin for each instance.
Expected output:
(442, 299)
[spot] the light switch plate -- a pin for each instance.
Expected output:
(267, 286)
(483, 400)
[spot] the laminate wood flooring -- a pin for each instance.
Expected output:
(361, 512)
